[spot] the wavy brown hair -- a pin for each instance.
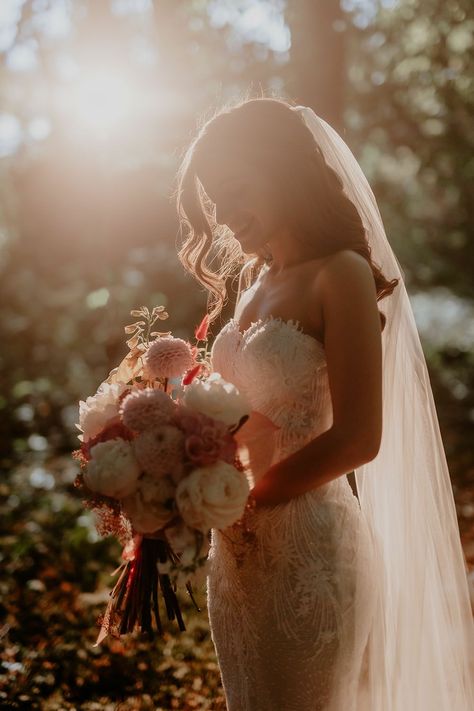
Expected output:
(274, 140)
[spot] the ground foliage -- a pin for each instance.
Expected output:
(55, 585)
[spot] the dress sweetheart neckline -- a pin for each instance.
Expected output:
(292, 323)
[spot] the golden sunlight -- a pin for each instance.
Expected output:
(103, 101)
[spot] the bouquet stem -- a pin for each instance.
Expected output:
(136, 594)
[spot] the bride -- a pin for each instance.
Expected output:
(324, 597)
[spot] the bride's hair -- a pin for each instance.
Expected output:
(273, 139)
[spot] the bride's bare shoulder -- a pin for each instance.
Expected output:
(344, 265)
(343, 257)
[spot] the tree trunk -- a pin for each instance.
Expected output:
(317, 72)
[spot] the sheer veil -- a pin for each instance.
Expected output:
(420, 652)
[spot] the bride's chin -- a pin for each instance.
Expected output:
(252, 245)
(252, 249)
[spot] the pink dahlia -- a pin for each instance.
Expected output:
(145, 409)
(161, 451)
(168, 357)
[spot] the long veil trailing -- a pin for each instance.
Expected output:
(420, 652)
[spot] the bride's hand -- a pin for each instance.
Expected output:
(265, 493)
(256, 443)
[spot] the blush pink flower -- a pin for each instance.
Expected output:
(145, 409)
(206, 440)
(160, 452)
(168, 357)
(188, 420)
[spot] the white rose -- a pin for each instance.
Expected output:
(217, 398)
(151, 506)
(212, 496)
(112, 469)
(98, 409)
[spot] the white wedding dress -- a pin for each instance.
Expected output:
(290, 608)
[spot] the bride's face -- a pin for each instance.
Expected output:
(245, 201)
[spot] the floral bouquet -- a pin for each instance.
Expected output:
(160, 468)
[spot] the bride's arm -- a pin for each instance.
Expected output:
(353, 347)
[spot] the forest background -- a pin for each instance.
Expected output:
(99, 99)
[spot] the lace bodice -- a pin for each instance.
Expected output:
(283, 373)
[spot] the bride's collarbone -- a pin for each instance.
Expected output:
(281, 300)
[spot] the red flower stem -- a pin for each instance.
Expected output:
(123, 629)
(172, 604)
(145, 591)
(135, 596)
(130, 607)
(135, 590)
(121, 588)
(156, 610)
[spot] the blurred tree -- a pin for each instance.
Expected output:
(410, 115)
(104, 97)
(317, 73)
(410, 111)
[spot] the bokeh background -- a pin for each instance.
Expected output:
(99, 99)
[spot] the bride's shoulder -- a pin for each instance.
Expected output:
(344, 259)
(346, 265)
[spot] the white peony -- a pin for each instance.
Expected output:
(217, 398)
(112, 469)
(212, 496)
(99, 409)
(152, 505)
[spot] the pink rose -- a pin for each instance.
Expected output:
(210, 443)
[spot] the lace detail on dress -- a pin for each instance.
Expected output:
(275, 357)
(290, 614)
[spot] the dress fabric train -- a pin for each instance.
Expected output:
(290, 609)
